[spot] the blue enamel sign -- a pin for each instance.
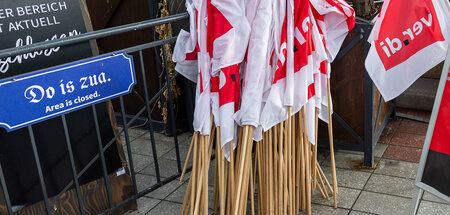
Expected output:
(35, 97)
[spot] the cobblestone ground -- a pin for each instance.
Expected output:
(386, 189)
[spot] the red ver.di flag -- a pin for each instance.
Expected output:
(409, 38)
(435, 173)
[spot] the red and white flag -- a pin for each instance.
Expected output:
(409, 38)
(202, 116)
(186, 49)
(304, 65)
(274, 110)
(257, 65)
(334, 20)
(338, 18)
(193, 62)
(227, 40)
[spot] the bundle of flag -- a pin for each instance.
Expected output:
(262, 69)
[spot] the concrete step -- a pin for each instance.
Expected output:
(420, 95)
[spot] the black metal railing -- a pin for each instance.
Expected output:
(104, 145)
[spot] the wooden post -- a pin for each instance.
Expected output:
(330, 137)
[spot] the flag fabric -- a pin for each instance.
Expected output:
(193, 62)
(256, 66)
(334, 20)
(202, 116)
(286, 45)
(435, 172)
(185, 53)
(274, 110)
(228, 32)
(409, 38)
(338, 19)
(303, 65)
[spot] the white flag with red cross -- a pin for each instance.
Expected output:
(228, 33)
(409, 38)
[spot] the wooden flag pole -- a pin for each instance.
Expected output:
(206, 159)
(314, 156)
(194, 172)
(283, 132)
(324, 178)
(252, 190)
(269, 148)
(260, 178)
(240, 174)
(247, 172)
(216, 183)
(293, 163)
(299, 139)
(231, 175)
(307, 167)
(185, 200)
(302, 161)
(289, 153)
(280, 169)
(275, 171)
(187, 159)
(321, 191)
(330, 137)
(222, 178)
(322, 185)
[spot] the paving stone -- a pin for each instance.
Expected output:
(140, 161)
(403, 153)
(166, 208)
(178, 194)
(322, 209)
(144, 205)
(134, 133)
(359, 213)
(164, 191)
(390, 185)
(406, 139)
(389, 131)
(211, 173)
(397, 168)
(379, 150)
(143, 147)
(144, 181)
(413, 127)
(345, 199)
(322, 155)
(167, 168)
(382, 204)
(348, 178)
(185, 138)
(356, 156)
(432, 198)
(172, 155)
(427, 207)
(344, 160)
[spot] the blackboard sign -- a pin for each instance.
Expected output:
(25, 22)
(434, 174)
